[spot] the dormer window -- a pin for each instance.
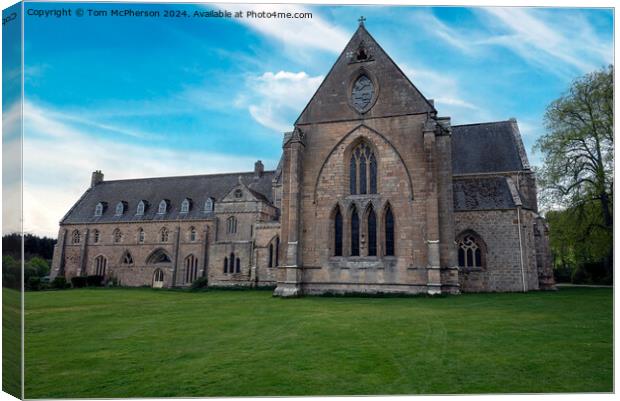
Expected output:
(185, 205)
(163, 207)
(120, 209)
(141, 207)
(238, 193)
(99, 209)
(209, 205)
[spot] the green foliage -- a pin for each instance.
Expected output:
(33, 246)
(578, 145)
(59, 283)
(33, 283)
(200, 283)
(112, 282)
(247, 343)
(11, 273)
(576, 240)
(78, 282)
(36, 267)
(577, 176)
(39, 266)
(94, 281)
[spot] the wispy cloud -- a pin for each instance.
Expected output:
(278, 98)
(57, 117)
(446, 93)
(314, 33)
(60, 158)
(546, 41)
(461, 40)
(563, 46)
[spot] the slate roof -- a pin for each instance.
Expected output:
(175, 189)
(489, 193)
(487, 148)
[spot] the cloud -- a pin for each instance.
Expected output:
(314, 33)
(562, 44)
(277, 98)
(544, 39)
(56, 118)
(433, 25)
(444, 90)
(60, 158)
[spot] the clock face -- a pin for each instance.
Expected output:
(362, 92)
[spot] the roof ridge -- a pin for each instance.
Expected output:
(185, 176)
(484, 123)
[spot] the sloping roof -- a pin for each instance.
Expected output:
(395, 94)
(483, 194)
(487, 148)
(175, 189)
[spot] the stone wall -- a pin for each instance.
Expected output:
(402, 171)
(79, 259)
(499, 230)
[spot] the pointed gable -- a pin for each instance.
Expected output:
(243, 193)
(345, 94)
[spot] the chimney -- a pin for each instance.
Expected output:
(96, 178)
(258, 169)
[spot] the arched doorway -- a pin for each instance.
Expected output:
(158, 278)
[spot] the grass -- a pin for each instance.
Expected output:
(11, 342)
(149, 343)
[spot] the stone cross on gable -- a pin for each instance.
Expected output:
(361, 20)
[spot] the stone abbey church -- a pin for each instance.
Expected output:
(375, 193)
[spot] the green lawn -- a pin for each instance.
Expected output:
(149, 343)
(11, 342)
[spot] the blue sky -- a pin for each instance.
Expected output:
(138, 97)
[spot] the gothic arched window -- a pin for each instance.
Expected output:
(270, 255)
(371, 225)
(141, 235)
(225, 265)
(231, 225)
(470, 251)
(158, 256)
(117, 236)
(389, 232)
(100, 265)
(363, 171)
(355, 233)
(277, 251)
(127, 258)
(191, 268)
(75, 237)
(231, 263)
(163, 235)
(238, 266)
(192, 234)
(338, 233)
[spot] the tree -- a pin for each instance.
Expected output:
(577, 175)
(578, 146)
